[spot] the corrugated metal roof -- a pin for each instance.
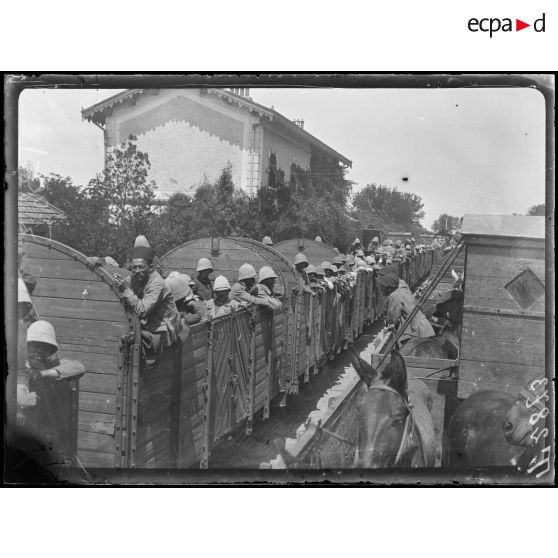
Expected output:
(35, 210)
(517, 226)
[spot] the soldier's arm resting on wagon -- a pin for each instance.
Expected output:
(197, 312)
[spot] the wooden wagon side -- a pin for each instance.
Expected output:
(93, 327)
(503, 332)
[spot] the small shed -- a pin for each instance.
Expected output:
(227, 255)
(316, 252)
(35, 214)
(503, 332)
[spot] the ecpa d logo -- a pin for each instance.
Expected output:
(492, 25)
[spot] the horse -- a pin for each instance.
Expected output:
(395, 427)
(495, 428)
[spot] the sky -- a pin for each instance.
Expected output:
(461, 150)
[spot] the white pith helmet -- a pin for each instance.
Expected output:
(267, 240)
(318, 239)
(221, 284)
(204, 264)
(141, 241)
(266, 273)
(22, 292)
(300, 258)
(311, 269)
(42, 332)
(179, 286)
(327, 265)
(246, 271)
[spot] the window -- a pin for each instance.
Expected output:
(526, 289)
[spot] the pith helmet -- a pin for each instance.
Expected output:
(203, 264)
(311, 269)
(246, 271)
(327, 265)
(360, 253)
(221, 284)
(350, 260)
(266, 273)
(300, 258)
(179, 286)
(42, 332)
(338, 260)
(320, 271)
(267, 240)
(22, 292)
(141, 241)
(376, 239)
(318, 239)
(356, 241)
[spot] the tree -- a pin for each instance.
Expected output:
(104, 218)
(445, 222)
(537, 210)
(125, 193)
(388, 208)
(27, 181)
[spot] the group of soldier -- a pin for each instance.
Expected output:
(167, 307)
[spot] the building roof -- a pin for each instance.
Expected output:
(515, 226)
(35, 210)
(98, 112)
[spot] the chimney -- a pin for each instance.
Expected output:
(241, 91)
(299, 123)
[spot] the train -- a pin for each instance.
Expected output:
(173, 413)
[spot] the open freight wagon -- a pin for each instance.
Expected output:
(172, 414)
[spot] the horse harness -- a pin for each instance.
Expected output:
(406, 437)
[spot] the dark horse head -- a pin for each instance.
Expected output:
(382, 410)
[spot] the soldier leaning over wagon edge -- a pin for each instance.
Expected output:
(266, 284)
(42, 362)
(246, 291)
(220, 304)
(202, 285)
(150, 298)
(191, 309)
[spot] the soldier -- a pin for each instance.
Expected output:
(246, 291)
(400, 304)
(301, 263)
(266, 284)
(42, 362)
(337, 262)
(220, 304)
(147, 294)
(355, 246)
(373, 245)
(203, 286)
(313, 281)
(191, 308)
